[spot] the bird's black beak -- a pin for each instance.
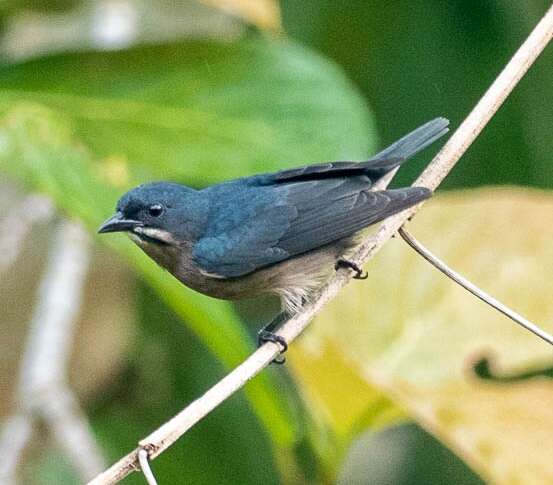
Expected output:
(118, 223)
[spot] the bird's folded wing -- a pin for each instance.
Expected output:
(292, 220)
(344, 217)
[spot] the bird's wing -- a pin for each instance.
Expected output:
(246, 247)
(377, 166)
(272, 217)
(346, 216)
(271, 224)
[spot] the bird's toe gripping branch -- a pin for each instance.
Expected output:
(267, 334)
(345, 263)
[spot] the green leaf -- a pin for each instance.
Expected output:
(38, 147)
(196, 112)
(13, 7)
(201, 111)
(417, 336)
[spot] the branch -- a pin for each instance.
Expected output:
(16, 434)
(444, 161)
(145, 466)
(472, 288)
(43, 393)
(15, 227)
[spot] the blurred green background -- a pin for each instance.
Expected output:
(96, 97)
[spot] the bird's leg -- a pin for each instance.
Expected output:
(346, 263)
(267, 334)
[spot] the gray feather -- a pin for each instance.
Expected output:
(258, 221)
(377, 166)
(306, 216)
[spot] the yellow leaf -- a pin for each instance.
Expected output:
(340, 401)
(415, 335)
(263, 13)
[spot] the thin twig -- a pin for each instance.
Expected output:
(167, 434)
(477, 292)
(145, 467)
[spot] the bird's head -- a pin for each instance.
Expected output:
(154, 213)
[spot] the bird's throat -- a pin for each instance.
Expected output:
(163, 253)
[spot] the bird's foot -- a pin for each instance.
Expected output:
(267, 336)
(345, 263)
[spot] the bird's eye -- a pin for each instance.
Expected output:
(155, 210)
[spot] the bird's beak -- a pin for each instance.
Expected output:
(118, 223)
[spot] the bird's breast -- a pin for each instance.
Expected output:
(177, 259)
(292, 279)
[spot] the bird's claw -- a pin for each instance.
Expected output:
(345, 263)
(267, 336)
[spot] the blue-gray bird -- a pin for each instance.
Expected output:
(282, 233)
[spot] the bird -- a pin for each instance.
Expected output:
(281, 233)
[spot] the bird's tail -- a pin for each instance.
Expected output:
(377, 166)
(406, 147)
